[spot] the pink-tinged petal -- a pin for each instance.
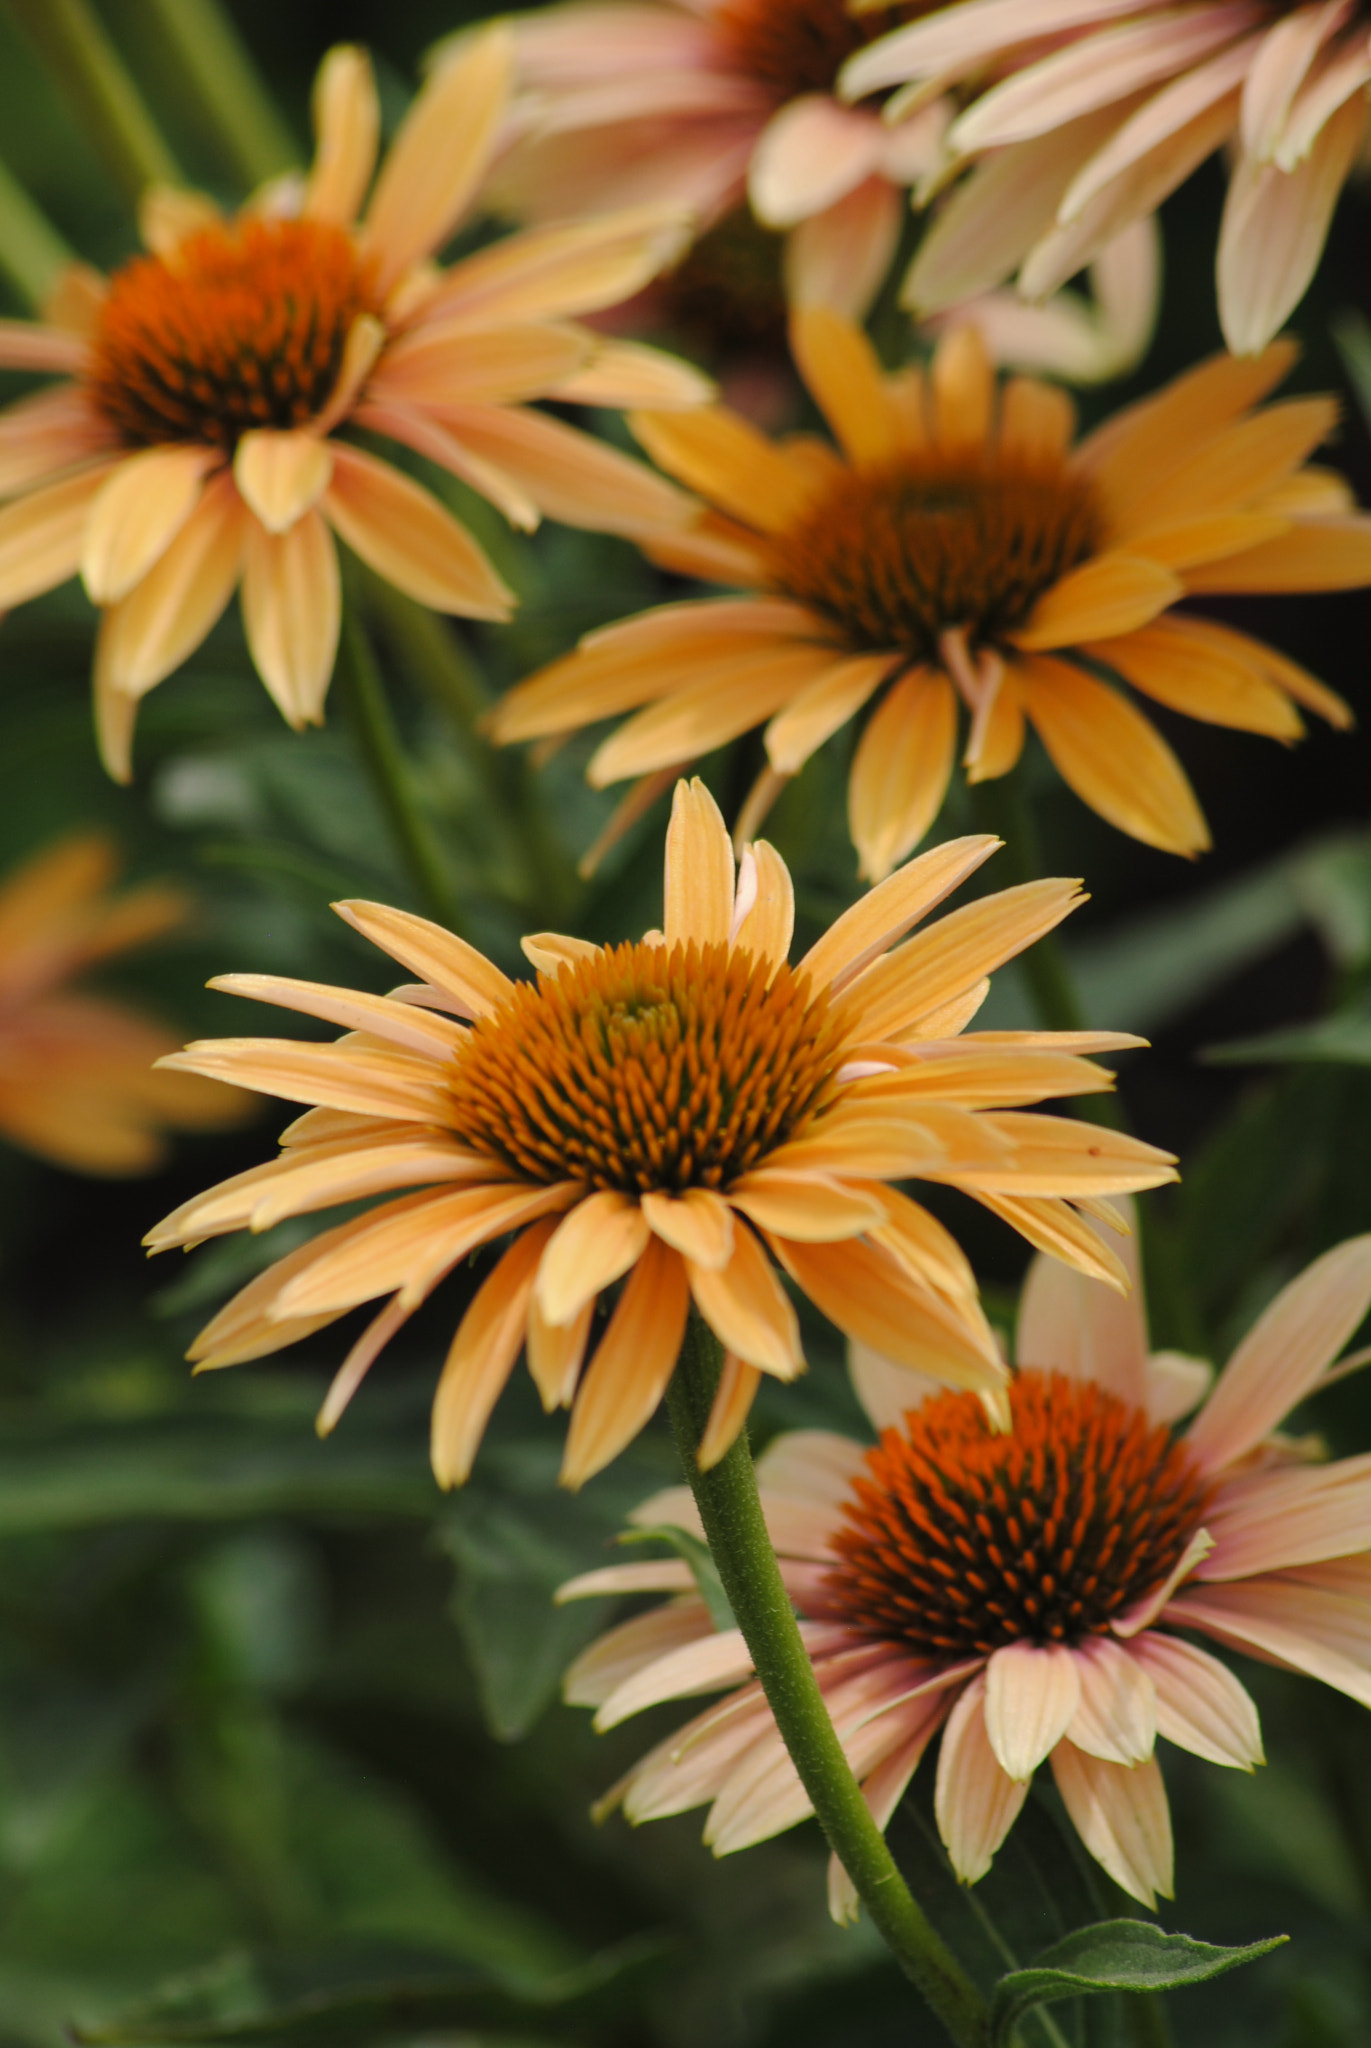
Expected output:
(887, 1391)
(628, 1375)
(1117, 1715)
(955, 40)
(292, 612)
(1284, 1355)
(489, 1338)
(708, 1666)
(1280, 67)
(569, 475)
(1316, 1620)
(883, 1790)
(166, 616)
(698, 884)
(1032, 1691)
(1274, 225)
(406, 536)
(692, 1766)
(1096, 71)
(596, 1244)
(611, 1581)
(1274, 1520)
(440, 153)
(1081, 1327)
(1176, 1384)
(1121, 1815)
(559, 47)
(810, 154)
(41, 536)
(24, 345)
(976, 1802)
(281, 474)
(1200, 1704)
(347, 127)
(139, 512)
(418, 430)
(51, 431)
(1144, 1612)
(841, 257)
(575, 267)
(1338, 79)
(812, 1467)
(634, 1646)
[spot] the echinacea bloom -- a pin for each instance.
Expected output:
(665, 1113)
(1085, 114)
(78, 1085)
(958, 551)
(703, 103)
(1030, 1594)
(196, 447)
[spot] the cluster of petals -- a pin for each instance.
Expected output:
(1280, 1571)
(1085, 114)
(660, 98)
(77, 1082)
(908, 1093)
(1198, 489)
(164, 526)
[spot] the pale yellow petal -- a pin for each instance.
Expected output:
(138, 513)
(876, 920)
(166, 616)
(747, 1308)
(489, 1339)
(404, 1024)
(1114, 759)
(438, 955)
(555, 1352)
(698, 888)
(628, 1375)
(698, 1224)
(901, 770)
(347, 127)
(811, 1207)
(764, 913)
(596, 1244)
(42, 536)
(281, 474)
(407, 537)
(292, 612)
(733, 1398)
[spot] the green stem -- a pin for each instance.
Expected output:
(219, 79)
(31, 250)
(378, 745)
(731, 1512)
(1002, 809)
(109, 106)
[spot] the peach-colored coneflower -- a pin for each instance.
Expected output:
(196, 447)
(960, 552)
(1089, 112)
(705, 102)
(77, 1079)
(667, 1113)
(1023, 1592)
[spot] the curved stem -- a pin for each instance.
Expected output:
(74, 46)
(220, 79)
(731, 1512)
(378, 745)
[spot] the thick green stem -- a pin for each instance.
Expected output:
(731, 1512)
(378, 745)
(109, 106)
(221, 82)
(31, 250)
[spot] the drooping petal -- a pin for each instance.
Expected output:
(292, 613)
(733, 1398)
(901, 770)
(841, 257)
(596, 1244)
(976, 1801)
(628, 1374)
(698, 1224)
(1114, 759)
(1117, 1715)
(406, 536)
(166, 616)
(281, 474)
(821, 707)
(1122, 1816)
(1032, 1692)
(481, 1358)
(868, 1294)
(1200, 1704)
(42, 536)
(747, 1308)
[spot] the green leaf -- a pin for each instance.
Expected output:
(1340, 1040)
(361, 2015)
(696, 1554)
(1352, 335)
(1113, 1955)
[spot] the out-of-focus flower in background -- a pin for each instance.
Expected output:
(668, 1111)
(1091, 114)
(704, 105)
(195, 448)
(1021, 1592)
(957, 550)
(78, 1084)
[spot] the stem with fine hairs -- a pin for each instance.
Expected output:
(731, 1512)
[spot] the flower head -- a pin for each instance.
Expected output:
(1084, 117)
(1022, 1592)
(704, 104)
(197, 447)
(677, 1114)
(77, 1079)
(960, 552)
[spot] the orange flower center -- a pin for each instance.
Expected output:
(242, 326)
(962, 1539)
(897, 555)
(795, 46)
(640, 1068)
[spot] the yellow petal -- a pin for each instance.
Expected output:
(963, 391)
(454, 362)
(427, 950)
(728, 698)
(168, 213)
(724, 458)
(1113, 758)
(863, 1289)
(1316, 554)
(767, 924)
(555, 1352)
(814, 1208)
(341, 1076)
(137, 515)
(844, 378)
(1115, 593)
(347, 126)
(166, 615)
(406, 536)
(489, 1338)
(292, 610)
(1037, 420)
(604, 1236)
(876, 920)
(439, 154)
(404, 1024)
(747, 1308)
(629, 1372)
(1182, 663)
(901, 770)
(817, 711)
(698, 1224)
(698, 890)
(41, 537)
(733, 1398)
(578, 266)
(281, 474)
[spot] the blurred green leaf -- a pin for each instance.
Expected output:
(1343, 1039)
(696, 1554)
(1113, 1955)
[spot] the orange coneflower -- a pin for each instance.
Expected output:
(1094, 110)
(705, 102)
(197, 446)
(959, 551)
(78, 1084)
(670, 1111)
(1022, 1592)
